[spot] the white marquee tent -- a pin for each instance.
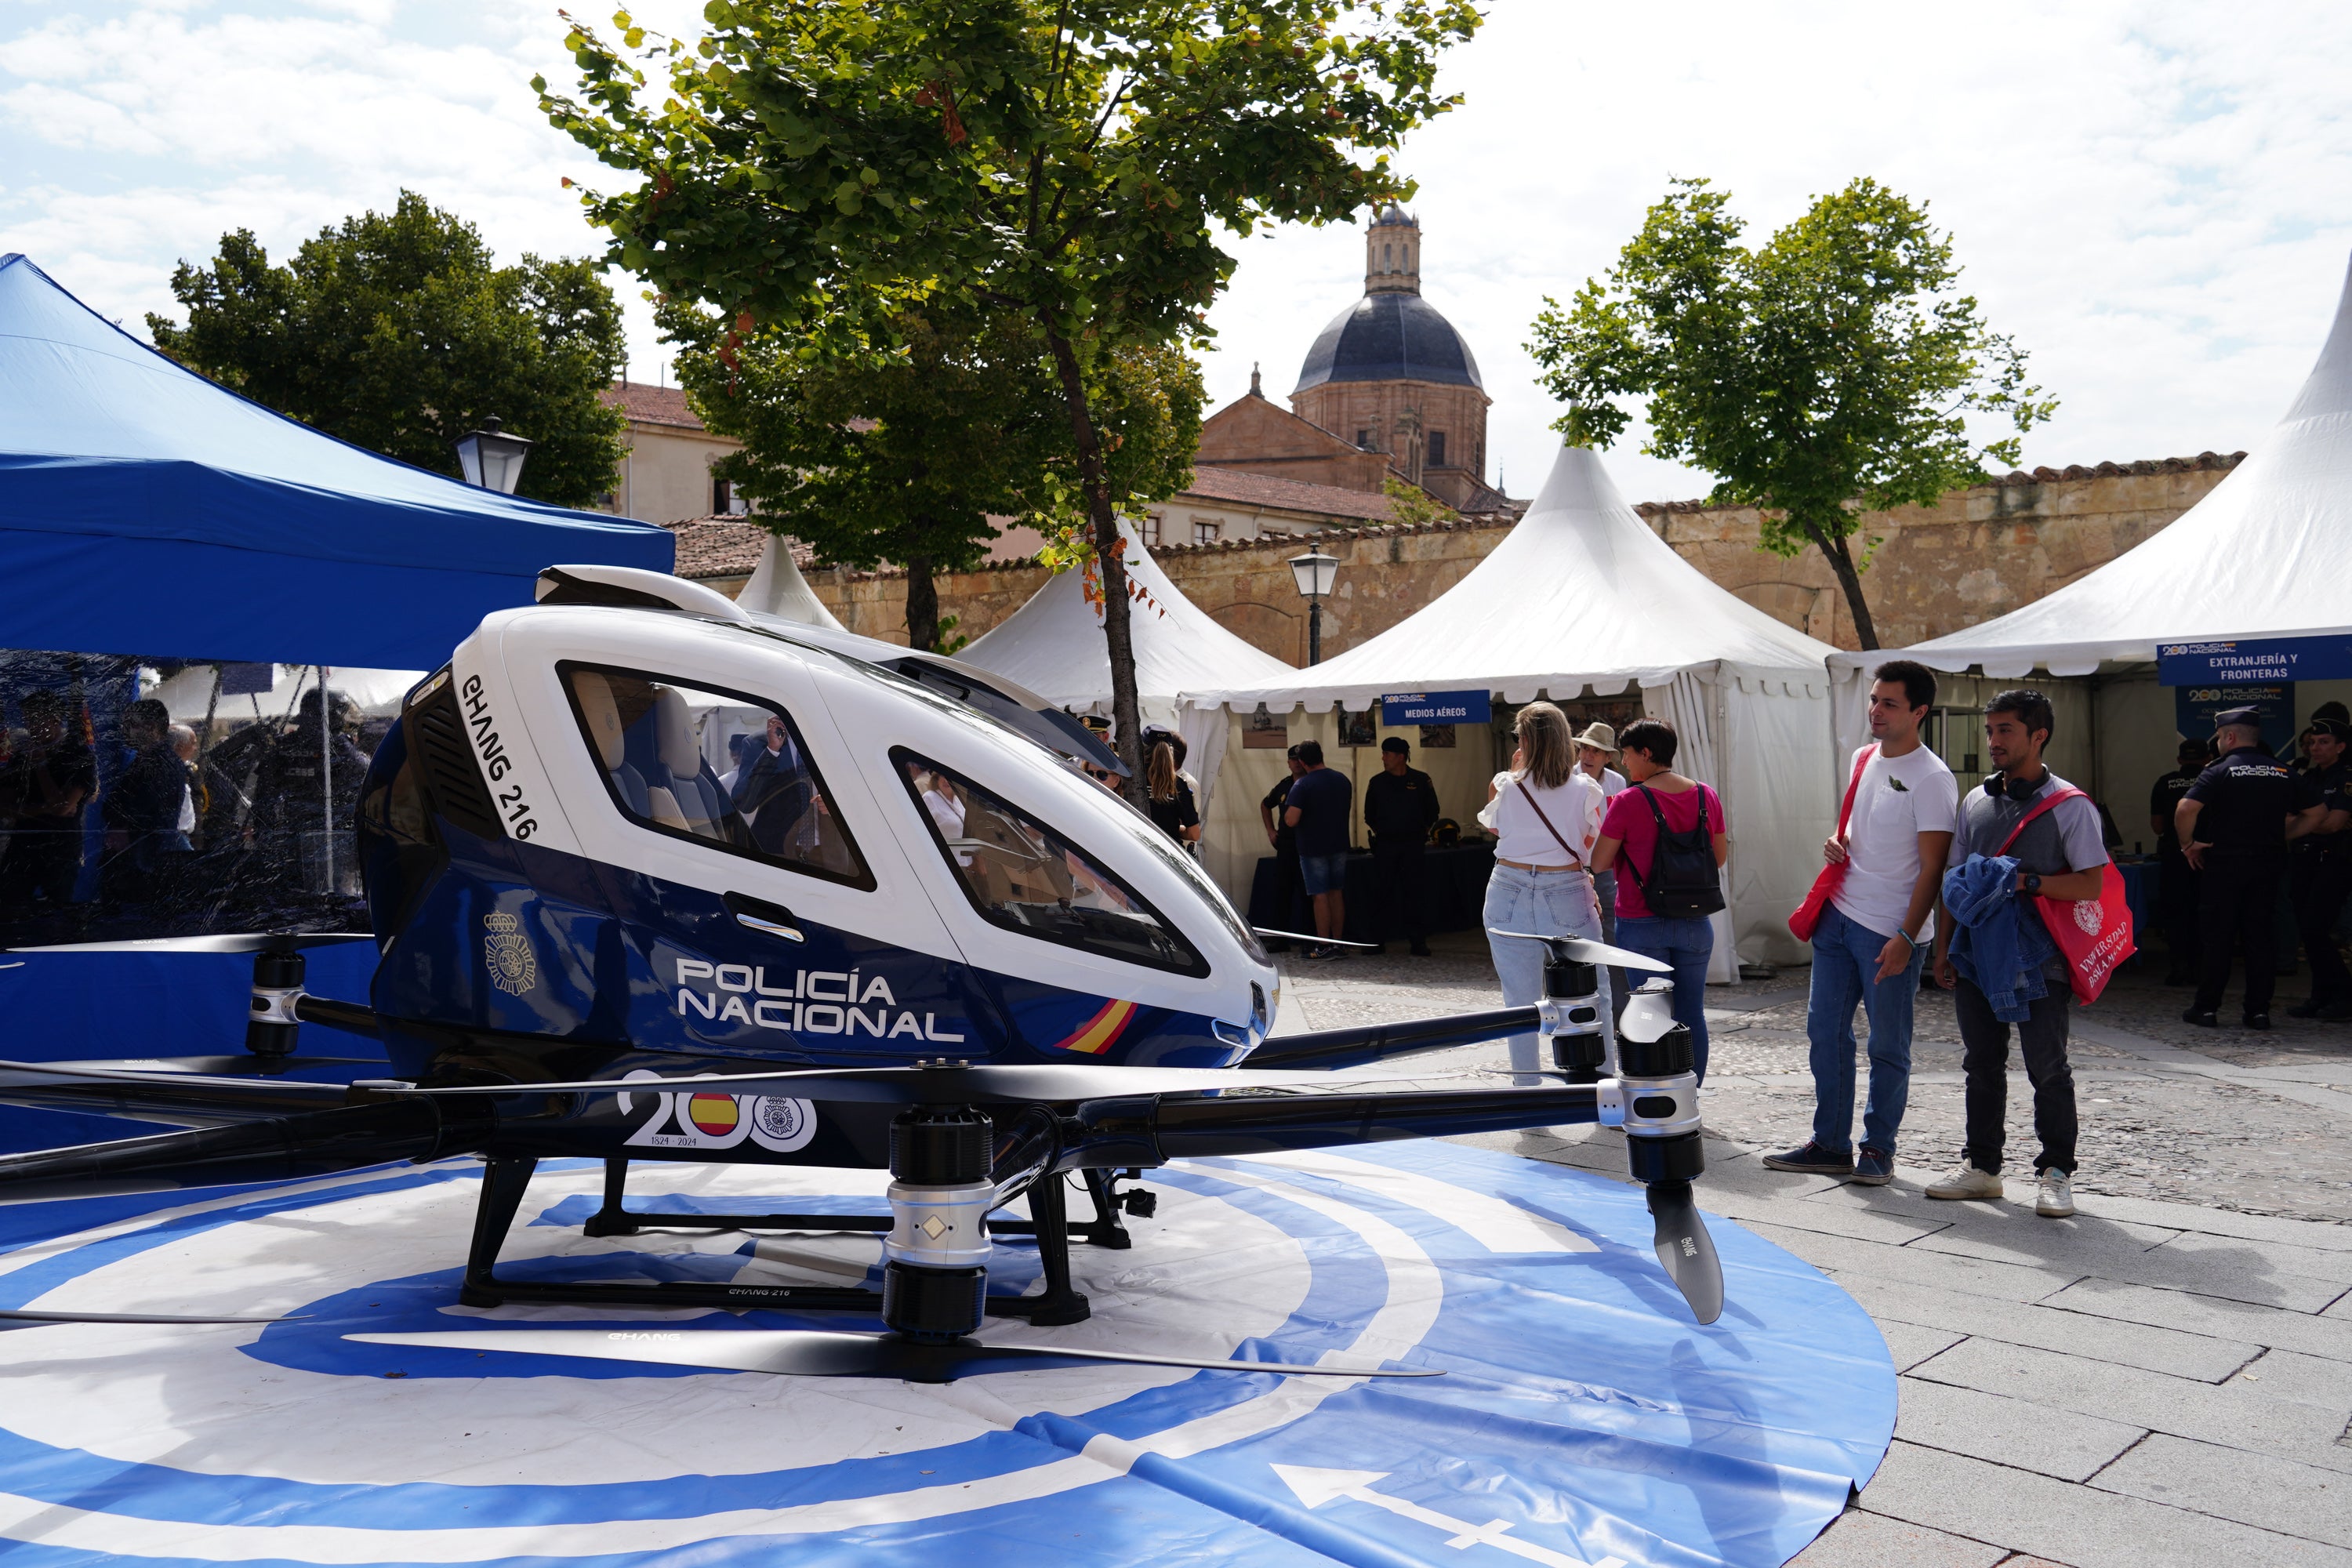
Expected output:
(1582, 594)
(2267, 553)
(1054, 645)
(777, 588)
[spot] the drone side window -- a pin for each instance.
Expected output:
(1023, 876)
(661, 745)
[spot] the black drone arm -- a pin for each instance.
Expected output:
(1377, 1042)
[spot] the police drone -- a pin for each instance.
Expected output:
(894, 926)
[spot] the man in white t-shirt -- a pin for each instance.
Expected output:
(1873, 937)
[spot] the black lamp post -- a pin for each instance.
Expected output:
(492, 459)
(1314, 572)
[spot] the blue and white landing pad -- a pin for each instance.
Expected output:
(1583, 1418)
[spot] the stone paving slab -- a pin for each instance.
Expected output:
(2235, 1269)
(2071, 1446)
(1910, 1344)
(1859, 1539)
(2234, 1416)
(2165, 1350)
(2321, 1336)
(2304, 1379)
(2080, 1526)
(1910, 1266)
(2315, 1504)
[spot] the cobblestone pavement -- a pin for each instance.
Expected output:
(2164, 1379)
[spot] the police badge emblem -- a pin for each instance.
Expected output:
(513, 970)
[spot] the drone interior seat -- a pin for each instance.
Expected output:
(684, 772)
(600, 708)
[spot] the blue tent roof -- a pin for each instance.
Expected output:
(146, 509)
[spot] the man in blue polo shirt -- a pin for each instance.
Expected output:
(1318, 810)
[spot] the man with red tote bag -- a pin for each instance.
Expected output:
(2061, 856)
(1870, 933)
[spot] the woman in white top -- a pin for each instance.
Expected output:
(1545, 813)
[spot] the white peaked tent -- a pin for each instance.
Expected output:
(1054, 645)
(2267, 553)
(777, 588)
(1582, 594)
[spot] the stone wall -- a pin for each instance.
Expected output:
(1980, 552)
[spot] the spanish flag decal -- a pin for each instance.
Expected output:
(1094, 1036)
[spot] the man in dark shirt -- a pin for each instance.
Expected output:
(1399, 808)
(775, 790)
(146, 849)
(2232, 827)
(43, 788)
(1288, 890)
(1318, 806)
(2319, 867)
(2176, 878)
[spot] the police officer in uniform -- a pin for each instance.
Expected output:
(2176, 878)
(2319, 866)
(1399, 808)
(2232, 827)
(299, 782)
(1289, 883)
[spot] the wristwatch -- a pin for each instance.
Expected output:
(2030, 886)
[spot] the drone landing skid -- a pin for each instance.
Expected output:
(506, 1178)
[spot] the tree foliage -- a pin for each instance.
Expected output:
(911, 456)
(816, 166)
(397, 331)
(1833, 371)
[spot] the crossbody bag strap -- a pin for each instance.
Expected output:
(2047, 802)
(1845, 812)
(1575, 861)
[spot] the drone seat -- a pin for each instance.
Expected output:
(600, 709)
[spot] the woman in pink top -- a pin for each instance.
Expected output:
(1629, 831)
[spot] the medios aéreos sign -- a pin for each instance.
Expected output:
(1436, 708)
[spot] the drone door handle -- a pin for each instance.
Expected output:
(767, 919)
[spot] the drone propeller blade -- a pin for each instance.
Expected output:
(230, 941)
(279, 1148)
(1577, 950)
(1685, 1250)
(1378, 1042)
(978, 1084)
(814, 1352)
(1314, 940)
(21, 1320)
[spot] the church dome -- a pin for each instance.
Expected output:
(1393, 336)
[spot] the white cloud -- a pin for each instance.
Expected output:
(2148, 198)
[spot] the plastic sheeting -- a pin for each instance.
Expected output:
(1582, 1419)
(145, 509)
(2266, 554)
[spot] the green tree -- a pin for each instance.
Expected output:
(813, 166)
(1409, 506)
(396, 331)
(1829, 373)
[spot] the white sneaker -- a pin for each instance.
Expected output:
(1966, 1182)
(2057, 1200)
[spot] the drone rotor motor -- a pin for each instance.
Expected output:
(935, 1283)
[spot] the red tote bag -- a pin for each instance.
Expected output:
(2096, 935)
(1807, 917)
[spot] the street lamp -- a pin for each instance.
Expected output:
(1313, 572)
(492, 459)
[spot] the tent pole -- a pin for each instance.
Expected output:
(327, 779)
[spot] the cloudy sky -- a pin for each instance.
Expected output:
(2155, 199)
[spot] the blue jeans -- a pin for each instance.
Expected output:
(1541, 903)
(1686, 944)
(1845, 971)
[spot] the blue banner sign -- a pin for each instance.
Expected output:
(1436, 708)
(2254, 658)
(2194, 708)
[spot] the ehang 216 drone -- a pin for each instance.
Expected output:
(910, 934)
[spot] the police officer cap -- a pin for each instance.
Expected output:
(2250, 717)
(1397, 744)
(2191, 751)
(2336, 727)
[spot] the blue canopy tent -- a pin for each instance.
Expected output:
(146, 511)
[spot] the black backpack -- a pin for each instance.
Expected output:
(1682, 882)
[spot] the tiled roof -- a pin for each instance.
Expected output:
(725, 547)
(650, 404)
(1228, 485)
(2203, 462)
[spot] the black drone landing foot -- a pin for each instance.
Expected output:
(1102, 1187)
(1049, 1211)
(503, 1182)
(617, 1218)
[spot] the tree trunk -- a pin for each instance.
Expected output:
(1094, 487)
(1841, 560)
(922, 605)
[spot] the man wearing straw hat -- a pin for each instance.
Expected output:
(1595, 750)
